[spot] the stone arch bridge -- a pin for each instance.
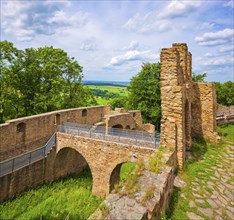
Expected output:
(104, 158)
(70, 150)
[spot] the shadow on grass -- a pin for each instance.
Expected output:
(198, 149)
(173, 201)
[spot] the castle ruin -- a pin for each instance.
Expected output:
(188, 110)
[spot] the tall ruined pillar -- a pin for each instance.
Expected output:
(172, 124)
(189, 66)
(183, 53)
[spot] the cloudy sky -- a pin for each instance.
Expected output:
(111, 39)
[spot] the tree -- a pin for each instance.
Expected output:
(39, 80)
(199, 77)
(225, 93)
(119, 102)
(144, 93)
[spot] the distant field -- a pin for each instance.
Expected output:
(106, 93)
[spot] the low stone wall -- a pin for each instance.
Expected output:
(120, 207)
(24, 134)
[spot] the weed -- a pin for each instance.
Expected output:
(148, 194)
(104, 209)
(155, 163)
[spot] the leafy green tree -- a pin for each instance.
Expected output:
(199, 77)
(39, 80)
(144, 93)
(225, 93)
(8, 95)
(119, 102)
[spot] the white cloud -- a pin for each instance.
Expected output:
(134, 45)
(26, 19)
(62, 19)
(133, 55)
(89, 45)
(141, 24)
(206, 25)
(179, 9)
(225, 49)
(215, 38)
(214, 60)
(229, 4)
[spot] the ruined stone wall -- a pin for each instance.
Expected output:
(204, 110)
(24, 134)
(123, 119)
(188, 108)
(172, 102)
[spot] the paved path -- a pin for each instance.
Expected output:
(213, 197)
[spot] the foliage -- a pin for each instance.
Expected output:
(126, 170)
(120, 102)
(144, 93)
(225, 92)
(39, 80)
(155, 162)
(226, 131)
(69, 198)
(199, 77)
(104, 93)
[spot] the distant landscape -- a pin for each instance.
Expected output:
(105, 91)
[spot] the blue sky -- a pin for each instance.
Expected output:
(111, 39)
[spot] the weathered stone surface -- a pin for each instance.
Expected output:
(188, 108)
(206, 211)
(178, 182)
(193, 216)
(123, 207)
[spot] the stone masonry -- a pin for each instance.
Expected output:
(188, 108)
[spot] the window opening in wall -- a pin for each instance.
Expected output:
(84, 113)
(57, 119)
(21, 127)
(134, 114)
(118, 126)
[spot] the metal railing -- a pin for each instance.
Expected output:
(134, 137)
(12, 164)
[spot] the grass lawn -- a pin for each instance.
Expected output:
(115, 89)
(69, 198)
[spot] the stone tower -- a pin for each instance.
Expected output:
(188, 108)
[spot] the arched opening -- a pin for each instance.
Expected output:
(118, 126)
(69, 161)
(21, 127)
(120, 173)
(84, 112)
(21, 133)
(57, 119)
(133, 129)
(134, 114)
(127, 127)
